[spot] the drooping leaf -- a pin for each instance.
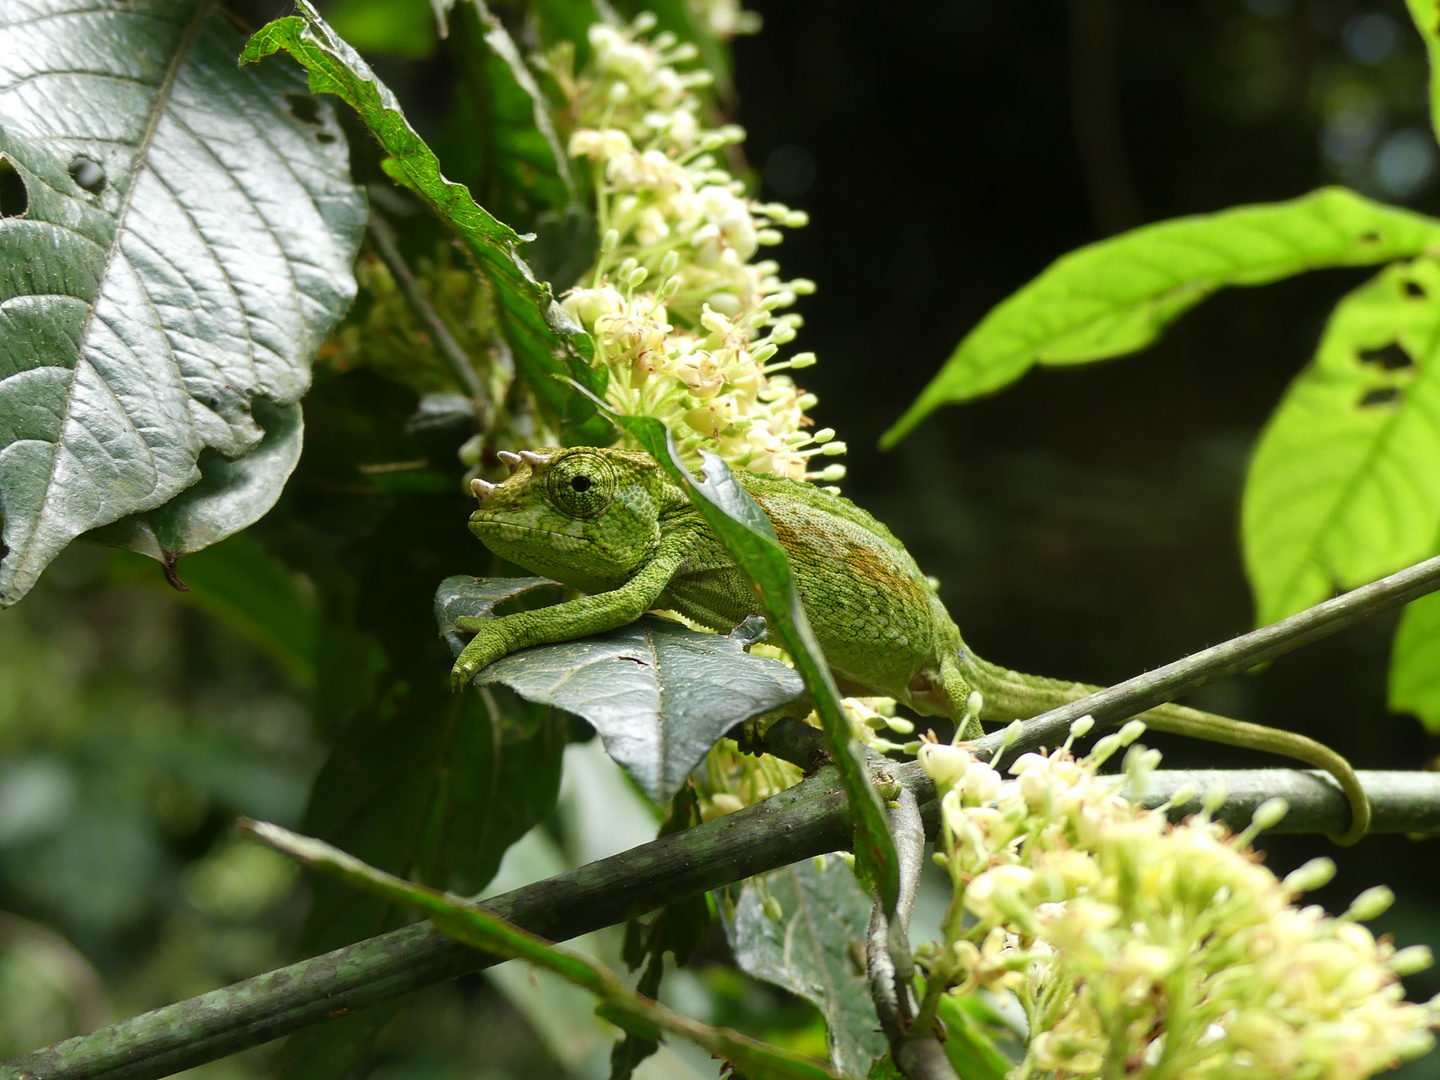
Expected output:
(1426, 14)
(473, 925)
(545, 340)
(750, 539)
(228, 496)
(1344, 486)
(1118, 295)
(1415, 662)
(970, 1049)
(185, 247)
(815, 950)
(659, 694)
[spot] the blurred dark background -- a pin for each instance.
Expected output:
(1084, 523)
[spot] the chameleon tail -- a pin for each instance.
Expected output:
(1009, 694)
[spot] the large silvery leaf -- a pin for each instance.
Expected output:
(1344, 486)
(815, 949)
(660, 694)
(186, 246)
(1117, 296)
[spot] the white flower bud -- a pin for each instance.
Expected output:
(833, 449)
(782, 334)
(1371, 904)
(768, 237)
(1412, 960)
(669, 263)
(824, 435)
(609, 241)
(802, 360)
(802, 286)
(1131, 731)
(944, 764)
(618, 92)
(1269, 814)
(1082, 727)
(1313, 875)
(764, 352)
(831, 473)
(773, 911)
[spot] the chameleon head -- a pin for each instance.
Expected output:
(586, 517)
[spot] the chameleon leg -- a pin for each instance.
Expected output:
(1009, 694)
(576, 618)
(957, 690)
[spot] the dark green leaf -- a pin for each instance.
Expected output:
(186, 247)
(545, 340)
(816, 950)
(472, 924)
(437, 791)
(526, 170)
(1117, 296)
(750, 539)
(1415, 662)
(969, 1049)
(1344, 486)
(660, 694)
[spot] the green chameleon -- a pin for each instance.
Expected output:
(612, 524)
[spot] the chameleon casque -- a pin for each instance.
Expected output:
(612, 524)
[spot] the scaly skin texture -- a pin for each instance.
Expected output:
(613, 525)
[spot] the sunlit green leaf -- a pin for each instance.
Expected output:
(659, 694)
(1118, 295)
(185, 247)
(1344, 486)
(1426, 14)
(1415, 662)
(816, 949)
(472, 924)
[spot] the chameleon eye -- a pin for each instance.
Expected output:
(581, 484)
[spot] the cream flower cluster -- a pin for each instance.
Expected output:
(1145, 949)
(724, 18)
(686, 321)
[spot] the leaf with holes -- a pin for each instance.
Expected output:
(1344, 486)
(815, 949)
(1117, 296)
(660, 694)
(1426, 15)
(184, 247)
(545, 340)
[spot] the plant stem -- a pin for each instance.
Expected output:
(382, 237)
(806, 820)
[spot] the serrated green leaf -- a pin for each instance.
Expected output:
(186, 247)
(1344, 486)
(659, 694)
(750, 539)
(473, 925)
(1426, 14)
(816, 950)
(546, 342)
(1415, 662)
(1118, 295)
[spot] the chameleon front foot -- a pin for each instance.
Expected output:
(481, 651)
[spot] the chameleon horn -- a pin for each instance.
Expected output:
(533, 459)
(511, 461)
(481, 488)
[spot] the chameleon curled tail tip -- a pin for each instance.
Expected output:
(481, 488)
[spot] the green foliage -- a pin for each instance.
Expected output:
(815, 948)
(480, 929)
(659, 694)
(1344, 485)
(1415, 662)
(1426, 15)
(543, 338)
(1116, 296)
(141, 342)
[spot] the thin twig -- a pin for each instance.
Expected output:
(382, 236)
(807, 820)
